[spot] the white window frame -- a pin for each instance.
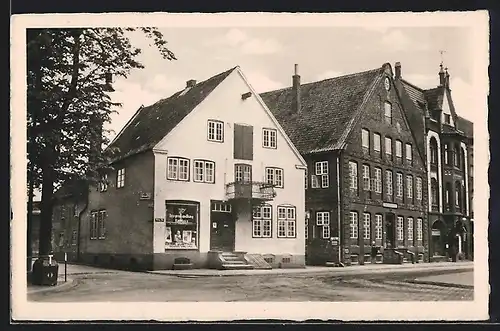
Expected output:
(419, 229)
(215, 131)
(366, 177)
(399, 148)
(101, 225)
(93, 225)
(287, 222)
(366, 226)
(323, 220)
(419, 188)
(389, 183)
(204, 171)
(314, 181)
(269, 138)
(400, 228)
(388, 145)
(274, 176)
(353, 225)
(409, 186)
(353, 174)
(221, 207)
(399, 185)
(410, 229)
(365, 138)
(378, 227)
(408, 152)
(262, 219)
(178, 168)
(377, 142)
(378, 180)
(322, 174)
(120, 178)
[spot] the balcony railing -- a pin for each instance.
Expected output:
(250, 190)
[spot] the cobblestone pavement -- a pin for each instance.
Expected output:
(128, 286)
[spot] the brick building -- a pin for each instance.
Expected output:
(204, 178)
(366, 169)
(448, 141)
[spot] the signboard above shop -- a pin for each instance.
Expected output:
(390, 205)
(181, 214)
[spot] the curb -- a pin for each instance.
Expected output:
(61, 285)
(425, 282)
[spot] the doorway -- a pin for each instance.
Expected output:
(390, 236)
(222, 232)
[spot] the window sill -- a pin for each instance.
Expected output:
(216, 141)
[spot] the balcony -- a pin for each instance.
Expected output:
(258, 191)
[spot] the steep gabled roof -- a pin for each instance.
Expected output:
(434, 97)
(151, 124)
(416, 94)
(329, 109)
(466, 126)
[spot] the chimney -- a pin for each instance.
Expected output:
(447, 79)
(397, 69)
(296, 106)
(441, 75)
(190, 83)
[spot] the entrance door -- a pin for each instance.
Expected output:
(390, 236)
(222, 232)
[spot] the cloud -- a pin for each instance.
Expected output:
(246, 44)
(262, 83)
(422, 81)
(463, 98)
(261, 46)
(328, 74)
(396, 40)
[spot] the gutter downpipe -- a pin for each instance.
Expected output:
(340, 264)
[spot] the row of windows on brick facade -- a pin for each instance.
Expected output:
(414, 231)
(375, 184)
(262, 221)
(377, 146)
(458, 198)
(215, 133)
(452, 156)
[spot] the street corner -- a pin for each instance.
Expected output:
(61, 286)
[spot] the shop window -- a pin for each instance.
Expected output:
(181, 225)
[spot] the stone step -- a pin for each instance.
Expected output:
(237, 266)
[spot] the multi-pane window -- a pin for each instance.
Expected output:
(409, 186)
(177, 168)
(305, 179)
(306, 232)
(120, 178)
(323, 220)
(378, 227)
(215, 131)
(408, 154)
(353, 172)
(286, 222)
(388, 112)
(274, 176)
(366, 177)
(97, 224)
(419, 229)
(269, 138)
(376, 143)
(399, 185)
(388, 146)
(446, 154)
(365, 138)
(74, 238)
(101, 224)
(400, 228)
(262, 221)
(410, 229)
(353, 225)
(314, 181)
(93, 225)
(378, 180)
(418, 182)
(399, 148)
(221, 207)
(242, 173)
(321, 174)
(366, 226)
(204, 171)
(388, 182)
(103, 183)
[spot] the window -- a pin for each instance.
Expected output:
(262, 221)
(269, 138)
(74, 238)
(408, 154)
(243, 142)
(286, 222)
(418, 182)
(400, 228)
(323, 220)
(456, 156)
(447, 195)
(378, 227)
(457, 194)
(204, 171)
(446, 152)
(409, 186)
(447, 118)
(120, 178)
(178, 168)
(93, 225)
(365, 138)
(353, 225)
(419, 229)
(388, 146)
(388, 181)
(305, 179)
(242, 173)
(321, 174)
(221, 207)
(410, 229)
(399, 148)
(353, 170)
(101, 224)
(366, 177)
(376, 143)
(388, 112)
(306, 232)
(434, 192)
(399, 185)
(378, 180)
(366, 226)
(103, 183)
(181, 225)
(274, 176)
(215, 131)
(433, 150)
(97, 224)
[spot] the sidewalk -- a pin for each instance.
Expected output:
(462, 279)
(334, 271)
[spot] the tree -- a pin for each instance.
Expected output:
(68, 79)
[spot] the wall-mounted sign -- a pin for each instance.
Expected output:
(145, 196)
(159, 220)
(390, 205)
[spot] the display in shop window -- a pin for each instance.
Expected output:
(181, 226)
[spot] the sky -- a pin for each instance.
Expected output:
(267, 57)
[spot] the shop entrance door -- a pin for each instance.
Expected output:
(222, 232)
(390, 236)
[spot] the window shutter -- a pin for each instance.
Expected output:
(248, 142)
(238, 141)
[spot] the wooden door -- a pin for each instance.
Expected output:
(222, 232)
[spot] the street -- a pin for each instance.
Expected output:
(411, 285)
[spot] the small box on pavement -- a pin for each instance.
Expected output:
(45, 271)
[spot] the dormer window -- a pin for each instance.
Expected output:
(447, 119)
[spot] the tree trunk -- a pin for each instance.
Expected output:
(46, 210)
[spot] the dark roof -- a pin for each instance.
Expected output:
(416, 94)
(434, 97)
(328, 110)
(151, 124)
(466, 126)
